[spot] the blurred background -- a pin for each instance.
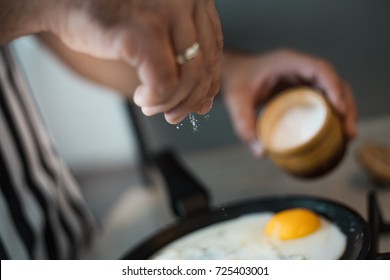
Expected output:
(91, 124)
(351, 34)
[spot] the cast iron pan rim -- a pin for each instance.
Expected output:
(226, 212)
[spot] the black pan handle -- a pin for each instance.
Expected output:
(187, 195)
(378, 226)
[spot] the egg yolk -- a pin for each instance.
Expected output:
(292, 224)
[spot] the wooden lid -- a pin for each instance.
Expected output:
(375, 158)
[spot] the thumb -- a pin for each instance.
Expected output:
(243, 115)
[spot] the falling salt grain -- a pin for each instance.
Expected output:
(194, 122)
(193, 119)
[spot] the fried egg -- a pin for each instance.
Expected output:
(290, 234)
(302, 234)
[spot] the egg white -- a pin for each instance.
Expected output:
(244, 238)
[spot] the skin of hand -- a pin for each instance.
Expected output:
(248, 81)
(114, 74)
(145, 34)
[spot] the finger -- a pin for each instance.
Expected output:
(184, 36)
(350, 120)
(216, 23)
(244, 117)
(180, 112)
(200, 99)
(190, 78)
(211, 37)
(171, 118)
(328, 80)
(218, 35)
(149, 50)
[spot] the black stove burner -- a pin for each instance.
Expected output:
(377, 227)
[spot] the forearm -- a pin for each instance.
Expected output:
(21, 17)
(116, 75)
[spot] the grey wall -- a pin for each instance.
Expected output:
(352, 34)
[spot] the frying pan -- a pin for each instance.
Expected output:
(190, 202)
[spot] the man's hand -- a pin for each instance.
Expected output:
(146, 34)
(250, 80)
